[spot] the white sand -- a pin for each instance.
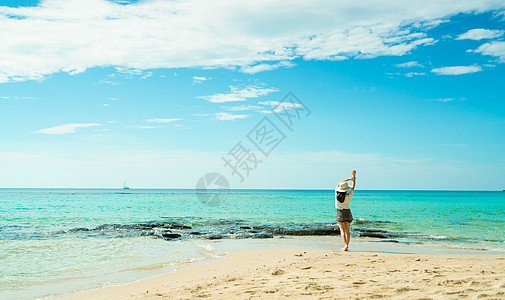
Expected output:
(322, 274)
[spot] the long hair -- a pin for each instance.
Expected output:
(341, 196)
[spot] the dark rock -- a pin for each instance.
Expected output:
(260, 227)
(78, 229)
(146, 226)
(373, 235)
(179, 226)
(215, 237)
(108, 227)
(244, 236)
(225, 229)
(307, 231)
(170, 235)
(176, 226)
(263, 235)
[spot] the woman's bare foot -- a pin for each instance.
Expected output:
(346, 248)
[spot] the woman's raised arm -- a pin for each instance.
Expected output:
(348, 179)
(353, 179)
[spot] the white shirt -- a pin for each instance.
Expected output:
(345, 204)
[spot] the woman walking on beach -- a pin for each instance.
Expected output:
(343, 194)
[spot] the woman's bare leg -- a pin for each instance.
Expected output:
(347, 235)
(341, 225)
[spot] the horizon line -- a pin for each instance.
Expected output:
(278, 189)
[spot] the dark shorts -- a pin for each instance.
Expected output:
(344, 215)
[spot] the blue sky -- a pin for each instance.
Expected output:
(158, 92)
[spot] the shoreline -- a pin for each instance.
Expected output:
(236, 263)
(308, 272)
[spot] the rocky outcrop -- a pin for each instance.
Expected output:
(226, 229)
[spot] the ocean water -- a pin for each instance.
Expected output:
(55, 241)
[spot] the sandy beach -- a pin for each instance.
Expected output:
(287, 272)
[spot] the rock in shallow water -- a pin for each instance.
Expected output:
(263, 235)
(226, 230)
(309, 230)
(170, 235)
(215, 237)
(244, 236)
(78, 229)
(373, 235)
(180, 226)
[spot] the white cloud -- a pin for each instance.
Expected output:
(456, 70)
(412, 74)
(479, 34)
(74, 35)
(66, 128)
(114, 99)
(242, 107)
(163, 120)
(200, 79)
(107, 81)
(224, 116)
(409, 74)
(494, 49)
(409, 64)
(278, 106)
(130, 73)
(239, 94)
(106, 105)
(445, 100)
(266, 67)
(19, 98)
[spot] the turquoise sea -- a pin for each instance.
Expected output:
(55, 241)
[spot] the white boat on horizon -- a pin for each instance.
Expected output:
(125, 187)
